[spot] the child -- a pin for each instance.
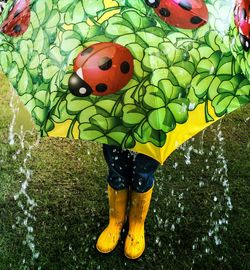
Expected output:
(128, 173)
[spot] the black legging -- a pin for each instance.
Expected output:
(128, 169)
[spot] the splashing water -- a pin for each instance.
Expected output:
(222, 205)
(217, 218)
(14, 110)
(24, 201)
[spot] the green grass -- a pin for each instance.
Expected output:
(68, 185)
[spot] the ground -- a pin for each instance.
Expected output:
(52, 220)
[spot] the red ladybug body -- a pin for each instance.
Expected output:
(187, 14)
(18, 19)
(242, 21)
(101, 69)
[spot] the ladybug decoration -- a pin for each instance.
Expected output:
(18, 19)
(101, 69)
(187, 14)
(242, 22)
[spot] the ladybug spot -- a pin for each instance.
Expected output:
(101, 87)
(164, 12)
(105, 63)
(153, 3)
(87, 51)
(243, 14)
(125, 67)
(17, 28)
(196, 20)
(185, 5)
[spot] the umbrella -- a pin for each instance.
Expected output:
(142, 75)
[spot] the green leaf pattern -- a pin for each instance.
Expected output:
(175, 69)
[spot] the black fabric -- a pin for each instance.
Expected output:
(129, 169)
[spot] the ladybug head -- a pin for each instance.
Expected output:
(245, 42)
(153, 3)
(77, 86)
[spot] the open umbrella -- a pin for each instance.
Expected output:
(143, 75)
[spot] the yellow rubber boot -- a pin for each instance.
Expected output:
(109, 238)
(135, 241)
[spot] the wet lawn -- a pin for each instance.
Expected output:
(199, 216)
